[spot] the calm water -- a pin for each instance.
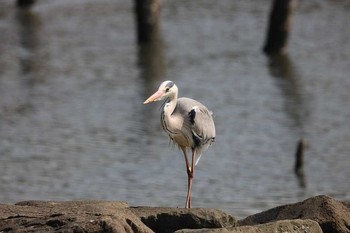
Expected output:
(73, 126)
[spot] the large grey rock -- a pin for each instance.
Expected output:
(107, 216)
(104, 216)
(164, 220)
(283, 226)
(331, 215)
(71, 216)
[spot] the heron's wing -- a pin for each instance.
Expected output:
(202, 123)
(198, 121)
(203, 129)
(198, 118)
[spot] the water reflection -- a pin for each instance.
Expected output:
(283, 70)
(151, 71)
(151, 61)
(28, 24)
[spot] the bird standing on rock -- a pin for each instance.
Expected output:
(188, 123)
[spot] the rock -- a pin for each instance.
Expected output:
(104, 216)
(71, 216)
(164, 220)
(204, 230)
(282, 226)
(331, 215)
(308, 216)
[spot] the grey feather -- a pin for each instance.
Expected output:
(198, 128)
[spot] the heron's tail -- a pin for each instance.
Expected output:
(197, 159)
(199, 150)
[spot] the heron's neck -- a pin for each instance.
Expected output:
(171, 122)
(170, 105)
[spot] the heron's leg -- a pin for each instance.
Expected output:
(189, 179)
(191, 176)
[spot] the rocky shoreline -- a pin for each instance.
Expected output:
(316, 214)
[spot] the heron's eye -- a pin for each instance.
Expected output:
(167, 89)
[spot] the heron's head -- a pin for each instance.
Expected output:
(167, 89)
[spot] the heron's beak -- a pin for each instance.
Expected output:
(155, 97)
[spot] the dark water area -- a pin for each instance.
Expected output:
(73, 126)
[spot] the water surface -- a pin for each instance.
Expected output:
(73, 126)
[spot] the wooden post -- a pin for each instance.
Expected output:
(147, 13)
(299, 158)
(279, 26)
(25, 3)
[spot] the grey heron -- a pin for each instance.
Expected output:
(188, 123)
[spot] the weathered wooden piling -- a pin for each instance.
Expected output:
(25, 3)
(299, 158)
(147, 13)
(279, 26)
(299, 163)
